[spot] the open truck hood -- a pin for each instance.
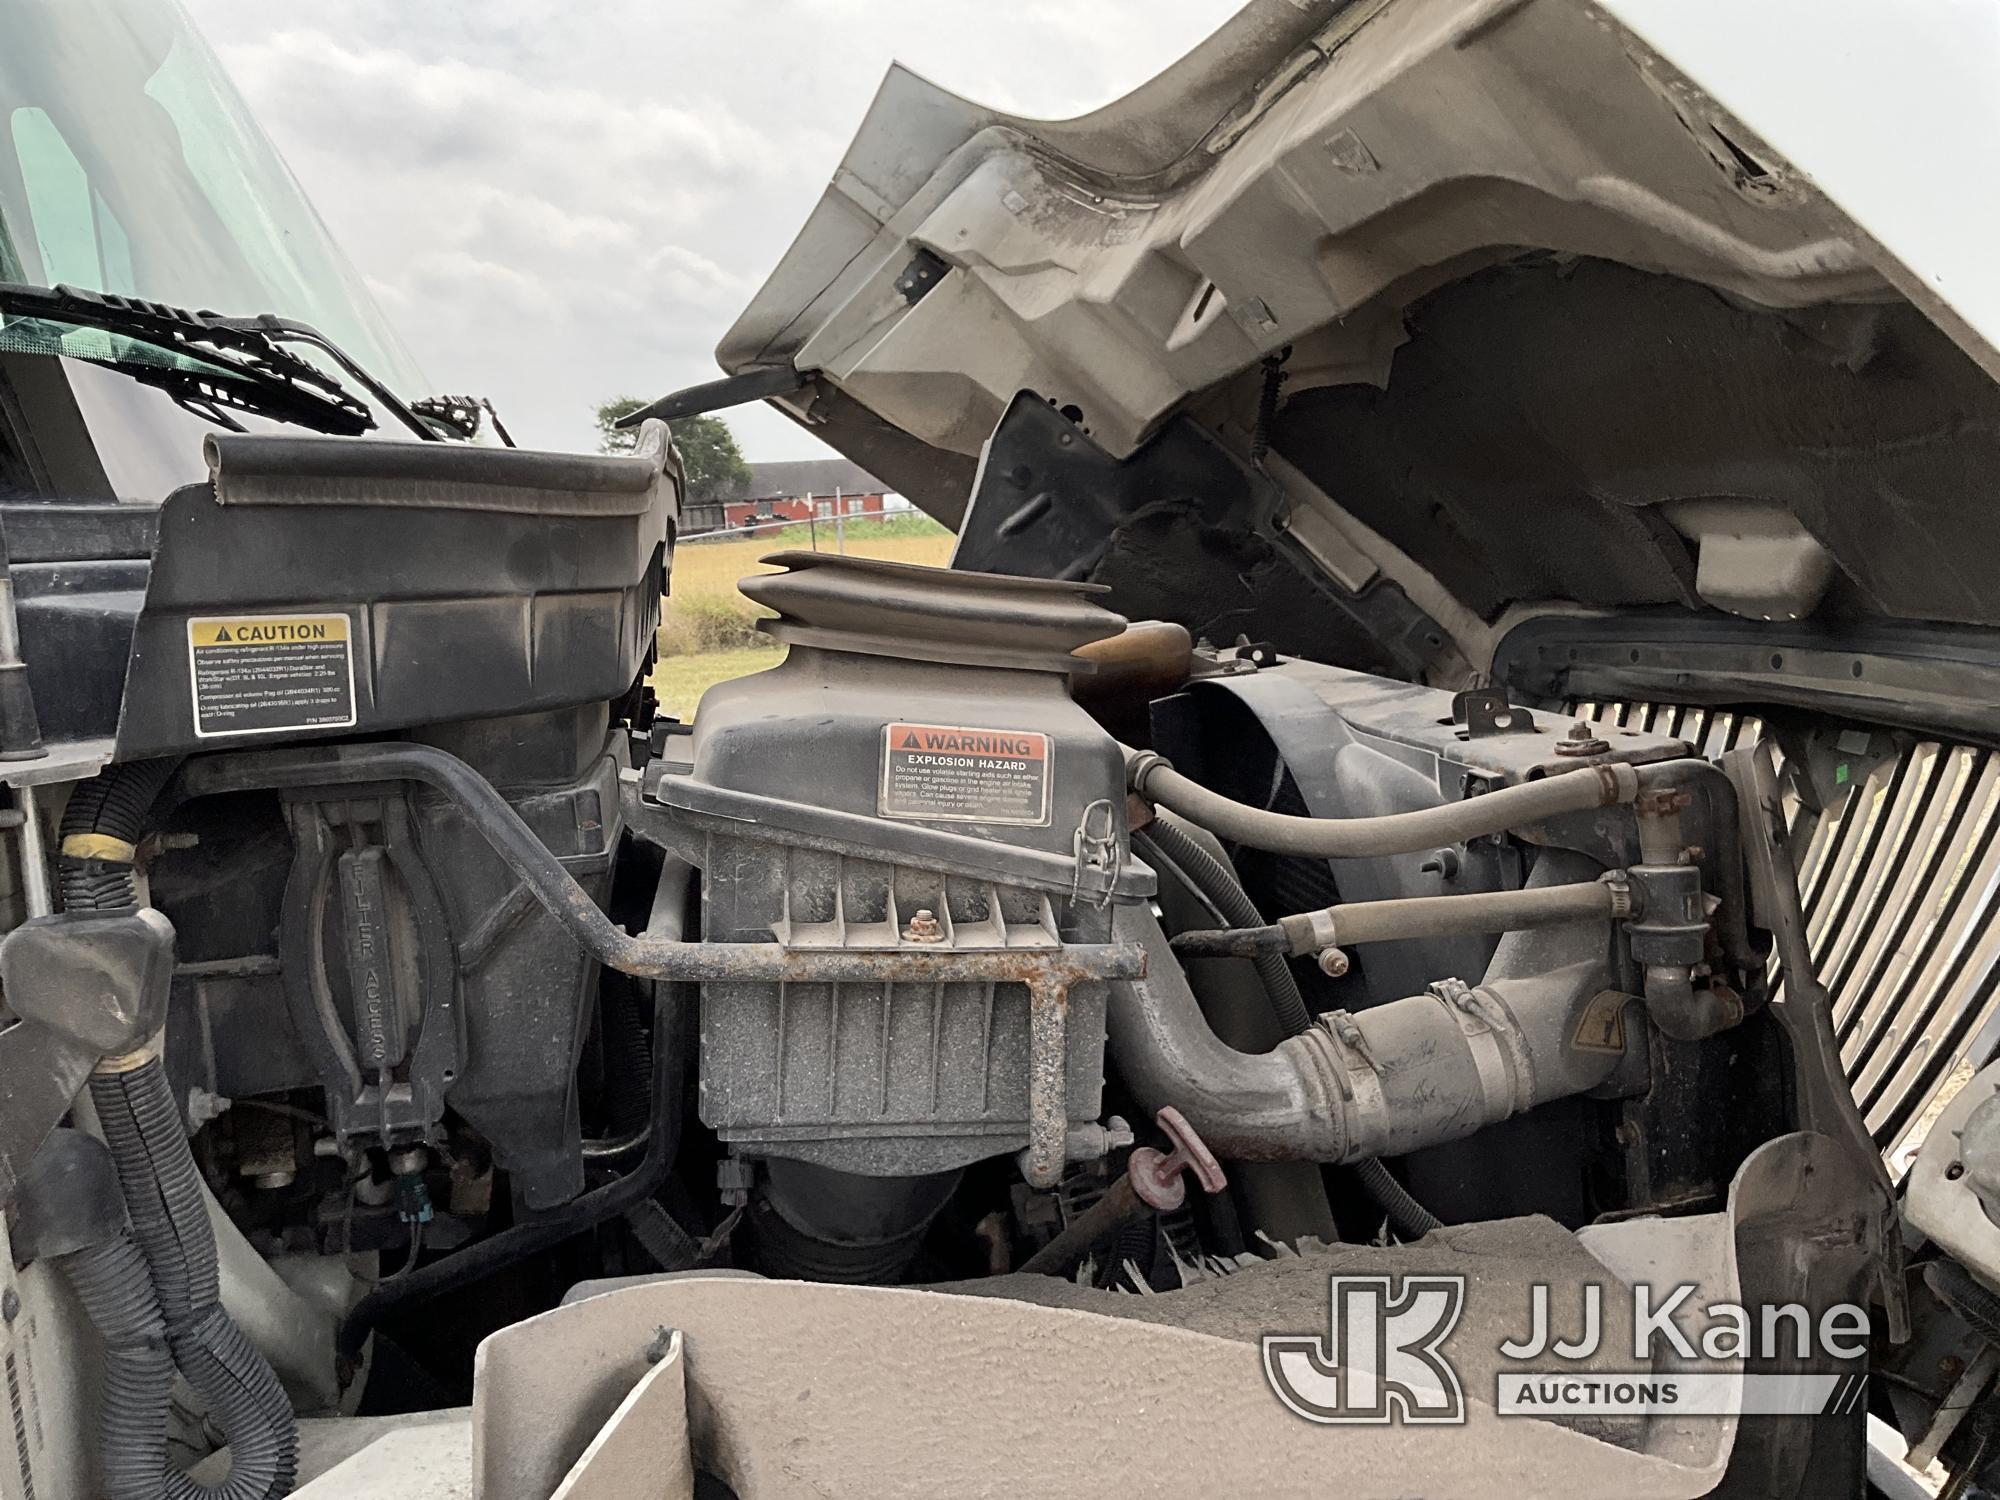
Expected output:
(1627, 309)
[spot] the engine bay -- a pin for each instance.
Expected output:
(988, 941)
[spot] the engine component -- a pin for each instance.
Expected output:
(1151, 1180)
(1952, 1194)
(913, 780)
(1389, 833)
(415, 969)
(1320, 931)
(1383, 1081)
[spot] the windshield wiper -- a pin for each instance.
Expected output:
(256, 373)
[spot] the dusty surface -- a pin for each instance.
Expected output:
(804, 1390)
(1500, 1260)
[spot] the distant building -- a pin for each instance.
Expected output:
(802, 490)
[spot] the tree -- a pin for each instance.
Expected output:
(714, 464)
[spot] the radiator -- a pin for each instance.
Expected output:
(1901, 885)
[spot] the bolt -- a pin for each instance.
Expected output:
(1332, 962)
(1442, 863)
(924, 928)
(1347, 1031)
(1581, 740)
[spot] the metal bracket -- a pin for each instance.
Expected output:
(1486, 711)
(1099, 855)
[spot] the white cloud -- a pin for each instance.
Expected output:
(560, 203)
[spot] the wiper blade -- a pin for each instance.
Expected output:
(262, 376)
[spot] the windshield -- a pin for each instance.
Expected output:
(129, 165)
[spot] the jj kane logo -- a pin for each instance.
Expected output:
(1382, 1358)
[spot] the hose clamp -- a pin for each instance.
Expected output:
(1360, 1085)
(1619, 883)
(1310, 931)
(1489, 1039)
(1141, 765)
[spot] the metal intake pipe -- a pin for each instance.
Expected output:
(1414, 1072)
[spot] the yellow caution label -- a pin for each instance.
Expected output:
(1601, 1027)
(271, 674)
(268, 630)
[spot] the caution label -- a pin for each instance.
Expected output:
(262, 674)
(944, 774)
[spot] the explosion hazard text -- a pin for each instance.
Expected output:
(265, 674)
(954, 774)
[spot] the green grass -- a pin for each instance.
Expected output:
(861, 530)
(680, 681)
(708, 630)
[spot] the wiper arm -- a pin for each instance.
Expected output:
(267, 378)
(278, 329)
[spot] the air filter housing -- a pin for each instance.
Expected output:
(913, 776)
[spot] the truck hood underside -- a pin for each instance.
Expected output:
(1564, 338)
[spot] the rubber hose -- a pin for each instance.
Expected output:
(1409, 1218)
(1388, 833)
(1225, 893)
(115, 803)
(112, 1283)
(220, 1362)
(163, 1197)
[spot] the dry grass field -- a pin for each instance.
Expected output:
(708, 630)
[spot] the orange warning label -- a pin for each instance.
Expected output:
(956, 774)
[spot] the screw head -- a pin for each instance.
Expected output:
(1332, 962)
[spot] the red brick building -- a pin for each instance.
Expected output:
(802, 490)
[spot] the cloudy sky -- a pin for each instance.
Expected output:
(558, 201)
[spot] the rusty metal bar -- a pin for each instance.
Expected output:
(1048, 1081)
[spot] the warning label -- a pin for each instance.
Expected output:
(1601, 1027)
(260, 674)
(953, 775)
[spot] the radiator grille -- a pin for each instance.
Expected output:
(1901, 889)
